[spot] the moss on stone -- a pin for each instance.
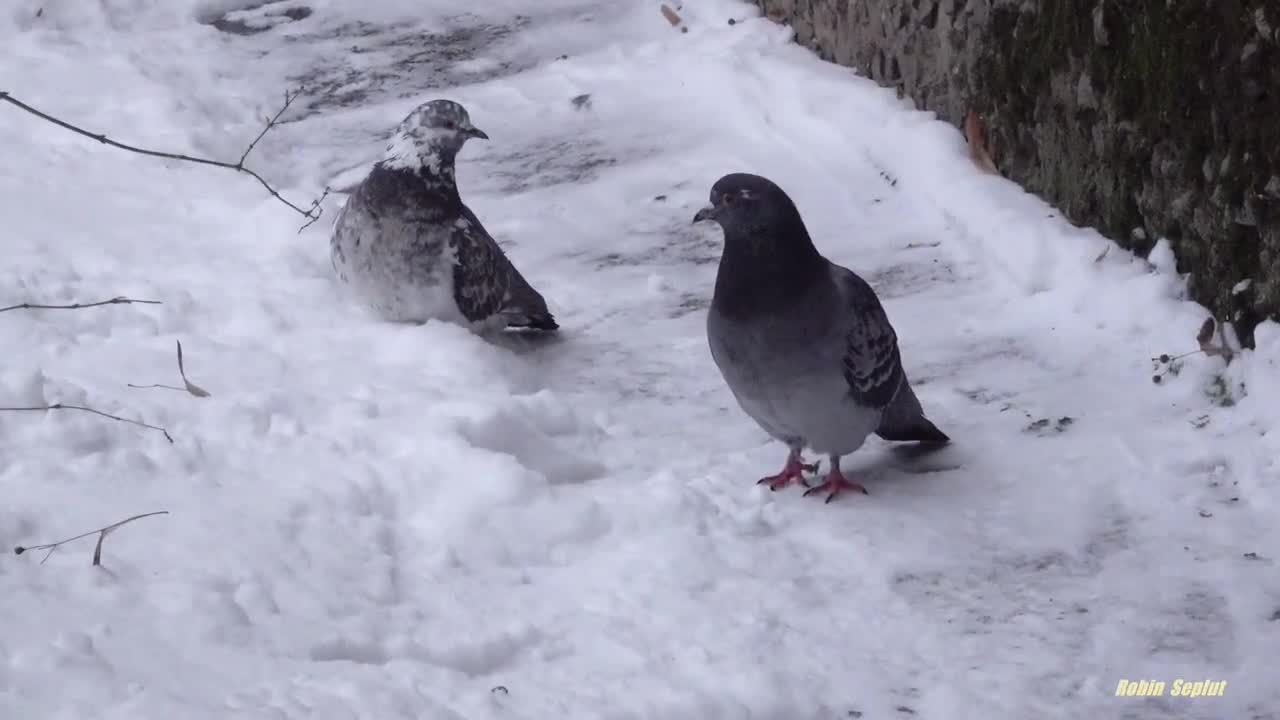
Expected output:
(1133, 109)
(1142, 118)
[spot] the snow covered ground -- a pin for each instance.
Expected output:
(380, 521)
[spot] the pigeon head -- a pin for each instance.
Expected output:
(431, 136)
(747, 205)
(768, 256)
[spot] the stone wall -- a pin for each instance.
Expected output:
(1142, 118)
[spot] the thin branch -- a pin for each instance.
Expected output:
(157, 385)
(312, 214)
(102, 533)
(315, 207)
(78, 306)
(271, 122)
(81, 408)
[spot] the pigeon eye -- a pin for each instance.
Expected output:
(727, 199)
(451, 124)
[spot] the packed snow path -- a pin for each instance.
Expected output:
(382, 521)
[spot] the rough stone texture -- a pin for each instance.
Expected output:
(1142, 118)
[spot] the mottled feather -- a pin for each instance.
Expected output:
(413, 251)
(487, 284)
(872, 364)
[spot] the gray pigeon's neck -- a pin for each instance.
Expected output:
(436, 168)
(414, 189)
(757, 277)
(439, 177)
(434, 164)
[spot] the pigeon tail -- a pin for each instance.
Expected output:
(525, 307)
(904, 420)
(543, 320)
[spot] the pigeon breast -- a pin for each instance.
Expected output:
(785, 368)
(395, 251)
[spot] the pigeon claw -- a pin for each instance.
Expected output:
(835, 483)
(793, 470)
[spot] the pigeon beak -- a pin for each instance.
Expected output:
(706, 213)
(476, 132)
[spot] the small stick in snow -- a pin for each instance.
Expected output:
(1168, 364)
(78, 306)
(97, 549)
(188, 386)
(312, 213)
(674, 18)
(81, 408)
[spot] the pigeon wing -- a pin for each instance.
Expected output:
(872, 364)
(481, 272)
(485, 283)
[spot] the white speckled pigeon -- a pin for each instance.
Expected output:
(803, 343)
(409, 247)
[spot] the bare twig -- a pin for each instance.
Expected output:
(97, 549)
(1167, 364)
(312, 214)
(271, 122)
(81, 408)
(188, 386)
(315, 208)
(671, 15)
(78, 306)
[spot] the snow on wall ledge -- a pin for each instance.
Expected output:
(1142, 119)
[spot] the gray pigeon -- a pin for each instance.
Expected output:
(408, 246)
(803, 343)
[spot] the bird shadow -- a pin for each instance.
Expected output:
(917, 453)
(896, 464)
(522, 341)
